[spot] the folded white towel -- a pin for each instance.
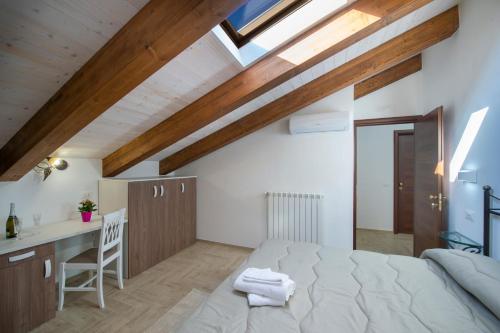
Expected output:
(279, 292)
(258, 300)
(265, 275)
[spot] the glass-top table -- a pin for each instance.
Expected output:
(456, 240)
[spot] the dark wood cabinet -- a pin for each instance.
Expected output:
(27, 296)
(161, 220)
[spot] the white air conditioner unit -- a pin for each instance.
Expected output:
(319, 122)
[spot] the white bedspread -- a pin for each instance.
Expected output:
(354, 291)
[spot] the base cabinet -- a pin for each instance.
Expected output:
(27, 292)
(161, 220)
(161, 217)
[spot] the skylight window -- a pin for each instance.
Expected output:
(466, 141)
(261, 26)
(256, 16)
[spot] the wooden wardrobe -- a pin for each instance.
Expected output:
(161, 217)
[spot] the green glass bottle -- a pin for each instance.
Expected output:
(11, 223)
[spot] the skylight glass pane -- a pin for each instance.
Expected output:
(249, 12)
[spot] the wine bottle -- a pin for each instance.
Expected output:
(11, 222)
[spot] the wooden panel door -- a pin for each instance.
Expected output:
(141, 217)
(428, 215)
(27, 298)
(168, 217)
(187, 211)
(404, 176)
(15, 298)
(157, 222)
(43, 290)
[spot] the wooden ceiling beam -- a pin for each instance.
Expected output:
(375, 61)
(351, 24)
(156, 34)
(388, 76)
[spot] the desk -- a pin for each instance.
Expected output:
(28, 270)
(48, 233)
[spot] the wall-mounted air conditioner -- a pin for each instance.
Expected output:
(319, 122)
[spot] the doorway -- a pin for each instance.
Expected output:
(384, 185)
(429, 200)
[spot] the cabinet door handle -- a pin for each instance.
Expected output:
(22, 256)
(162, 190)
(155, 191)
(182, 187)
(48, 268)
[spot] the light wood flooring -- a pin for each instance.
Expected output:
(384, 242)
(148, 296)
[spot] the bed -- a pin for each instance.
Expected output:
(361, 291)
(445, 290)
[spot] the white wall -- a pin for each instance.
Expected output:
(55, 198)
(143, 169)
(375, 175)
(232, 180)
(58, 196)
(401, 98)
(462, 74)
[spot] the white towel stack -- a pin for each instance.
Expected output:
(265, 287)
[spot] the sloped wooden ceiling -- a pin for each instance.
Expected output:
(197, 71)
(372, 62)
(43, 43)
(156, 34)
(353, 23)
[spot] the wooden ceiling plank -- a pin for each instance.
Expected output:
(388, 76)
(153, 37)
(352, 23)
(375, 61)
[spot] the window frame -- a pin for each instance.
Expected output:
(241, 40)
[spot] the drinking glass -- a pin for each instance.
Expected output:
(37, 218)
(19, 227)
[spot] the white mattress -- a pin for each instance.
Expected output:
(359, 291)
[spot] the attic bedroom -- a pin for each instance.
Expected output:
(249, 166)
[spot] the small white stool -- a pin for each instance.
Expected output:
(110, 249)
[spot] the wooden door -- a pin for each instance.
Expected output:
(141, 221)
(187, 211)
(428, 213)
(27, 297)
(168, 214)
(15, 297)
(404, 176)
(43, 290)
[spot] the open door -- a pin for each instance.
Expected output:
(429, 199)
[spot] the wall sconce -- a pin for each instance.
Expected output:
(46, 166)
(467, 176)
(439, 169)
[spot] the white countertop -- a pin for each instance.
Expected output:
(47, 233)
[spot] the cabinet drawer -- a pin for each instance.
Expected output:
(32, 253)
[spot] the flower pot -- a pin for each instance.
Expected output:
(86, 216)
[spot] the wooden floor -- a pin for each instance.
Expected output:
(149, 295)
(384, 242)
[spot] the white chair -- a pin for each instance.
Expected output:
(110, 249)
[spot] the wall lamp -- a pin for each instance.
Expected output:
(46, 166)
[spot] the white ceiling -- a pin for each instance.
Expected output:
(43, 42)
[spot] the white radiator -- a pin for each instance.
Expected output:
(293, 216)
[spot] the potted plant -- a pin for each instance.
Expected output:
(86, 208)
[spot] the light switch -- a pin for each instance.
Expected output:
(469, 215)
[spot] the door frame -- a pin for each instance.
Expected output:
(371, 122)
(397, 134)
